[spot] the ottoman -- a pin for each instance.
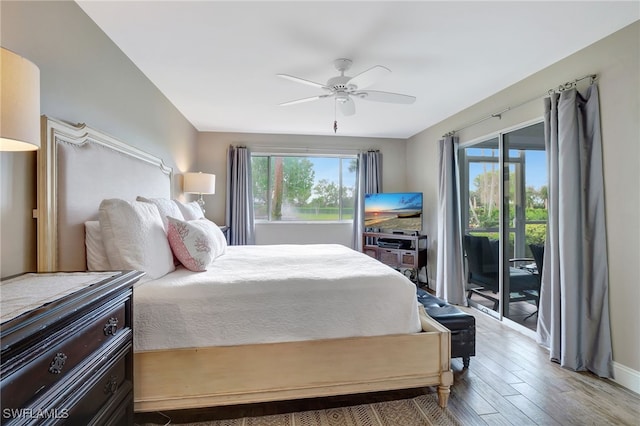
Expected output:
(461, 325)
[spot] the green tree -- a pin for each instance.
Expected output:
(544, 194)
(289, 178)
(487, 186)
(298, 175)
(259, 168)
(536, 198)
(484, 202)
(327, 194)
(278, 188)
(353, 165)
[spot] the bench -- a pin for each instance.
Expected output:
(461, 325)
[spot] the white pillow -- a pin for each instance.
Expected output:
(97, 259)
(134, 237)
(190, 211)
(196, 243)
(165, 206)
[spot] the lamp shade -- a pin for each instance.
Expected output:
(19, 103)
(200, 183)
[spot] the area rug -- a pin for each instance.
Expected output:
(422, 410)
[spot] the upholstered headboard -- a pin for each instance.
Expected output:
(78, 167)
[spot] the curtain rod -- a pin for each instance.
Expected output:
(561, 88)
(300, 150)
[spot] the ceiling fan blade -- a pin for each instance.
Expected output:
(299, 101)
(302, 80)
(368, 77)
(347, 107)
(376, 96)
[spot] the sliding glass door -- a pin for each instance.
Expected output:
(503, 185)
(481, 201)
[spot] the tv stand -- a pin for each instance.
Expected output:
(410, 253)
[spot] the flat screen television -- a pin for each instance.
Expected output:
(394, 211)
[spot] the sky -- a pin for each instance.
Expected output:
(535, 169)
(327, 168)
(535, 172)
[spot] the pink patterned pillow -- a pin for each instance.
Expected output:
(196, 243)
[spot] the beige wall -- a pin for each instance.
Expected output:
(212, 151)
(17, 199)
(84, 78)
(616, 61)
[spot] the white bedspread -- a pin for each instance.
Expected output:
(277, 293)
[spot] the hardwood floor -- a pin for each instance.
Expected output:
(510, 382)
(519, 312)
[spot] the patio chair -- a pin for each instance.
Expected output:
(537, 250)
(483, 272)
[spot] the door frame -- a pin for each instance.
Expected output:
(503, 225)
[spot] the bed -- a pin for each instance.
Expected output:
(354, 327)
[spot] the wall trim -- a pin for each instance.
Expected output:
(627, 377)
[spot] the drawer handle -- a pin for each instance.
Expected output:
(57, 363)
(112, 385)
(111, 327)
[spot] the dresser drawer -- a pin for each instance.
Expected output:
(389, 257)
(116, 415)
(94, 393)
(408, 259)
(371, 251)
(42, 367)
(102, 392)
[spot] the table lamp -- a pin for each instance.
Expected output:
(200, 183)
(19, 103)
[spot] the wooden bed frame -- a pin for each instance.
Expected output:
(76, 170)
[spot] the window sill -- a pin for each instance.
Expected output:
(303, 222)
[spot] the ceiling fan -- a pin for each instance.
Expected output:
(344, 88)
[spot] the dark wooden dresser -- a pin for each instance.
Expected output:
(67, 349)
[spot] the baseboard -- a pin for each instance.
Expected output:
(627, 377)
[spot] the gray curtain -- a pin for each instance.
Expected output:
(573, 316)
(369, 181)
(450, 268)
(239, 197)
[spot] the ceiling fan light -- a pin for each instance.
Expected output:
(342, 98)
(343, 87)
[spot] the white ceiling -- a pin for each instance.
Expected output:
(217, 61)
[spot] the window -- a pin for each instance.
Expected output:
(303, 188)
